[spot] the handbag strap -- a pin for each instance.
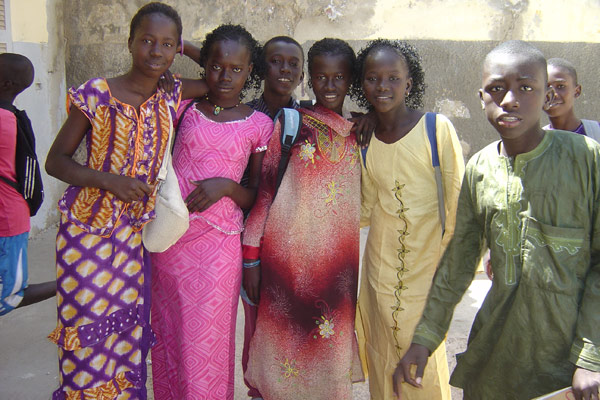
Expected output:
(162, 173)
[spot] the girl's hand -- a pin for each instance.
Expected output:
(586, 384)
(166, 83)
(364, 126)
(127, 189)
(251, 282)
(207, 193)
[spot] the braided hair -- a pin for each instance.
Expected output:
(236, 33)
(409, 54)
(332, 47)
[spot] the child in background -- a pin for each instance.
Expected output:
(307, 239)
(534, 198)
(103, 270)
(399, 194)
(562, 78)
(196, 282)
(16, 75)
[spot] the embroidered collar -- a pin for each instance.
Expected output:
(335, 121)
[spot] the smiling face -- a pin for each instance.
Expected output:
(513, 94)
(284, 72)
(566, 90)
(154, 45)
(386, 82)
(330, 79)
(227, 68)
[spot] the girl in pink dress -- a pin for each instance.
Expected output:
(196, 282)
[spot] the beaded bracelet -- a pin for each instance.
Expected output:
(251, 264)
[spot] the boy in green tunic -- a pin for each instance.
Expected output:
(534, 198)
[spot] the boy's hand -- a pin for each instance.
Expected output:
(251, 282)
(207, 193)
(416, 355)
(586, 384)
(126, 188)
(364, 126)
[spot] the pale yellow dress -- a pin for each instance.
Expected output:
(405, 243)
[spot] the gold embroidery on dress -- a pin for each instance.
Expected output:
(401, 268)
(331, 144)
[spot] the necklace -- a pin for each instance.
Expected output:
(217, 109)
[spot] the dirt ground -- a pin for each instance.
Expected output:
(28, 363)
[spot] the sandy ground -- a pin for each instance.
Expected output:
(28, 363)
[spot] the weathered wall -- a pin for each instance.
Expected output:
(36, 30)
(453, 36)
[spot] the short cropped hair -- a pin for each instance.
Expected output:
(333, 47)
(565, 65)
(522, 49)
(156, 8)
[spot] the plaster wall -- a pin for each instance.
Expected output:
(36, 30)
(453, 37)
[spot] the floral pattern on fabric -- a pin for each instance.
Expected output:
(309, 264)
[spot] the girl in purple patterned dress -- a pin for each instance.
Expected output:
(103, 271)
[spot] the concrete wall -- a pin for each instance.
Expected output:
(453, 36)
(36, 30)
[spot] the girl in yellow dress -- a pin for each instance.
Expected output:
(400, 203)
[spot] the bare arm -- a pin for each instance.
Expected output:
(193, 88)
(38, 292)
(60, 163)
(191, 50)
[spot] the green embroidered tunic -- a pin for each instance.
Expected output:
(539, 215)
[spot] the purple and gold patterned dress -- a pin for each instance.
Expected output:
(103, 271)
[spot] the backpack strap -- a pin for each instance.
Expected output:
(592, 129)
(306, 103)
(10, 182)
(290, 127)
(430, 121)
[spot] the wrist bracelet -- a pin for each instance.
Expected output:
(251, 264)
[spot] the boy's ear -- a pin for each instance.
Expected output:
(480, 93)
(550, 93)
(577, 91)
(129, 42)
(250, 68)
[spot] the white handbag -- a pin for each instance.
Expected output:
(172, 218)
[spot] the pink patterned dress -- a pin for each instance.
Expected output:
(196, 282)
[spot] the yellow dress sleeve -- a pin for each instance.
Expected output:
(453, 170)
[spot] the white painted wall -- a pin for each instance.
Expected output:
(37, 34)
